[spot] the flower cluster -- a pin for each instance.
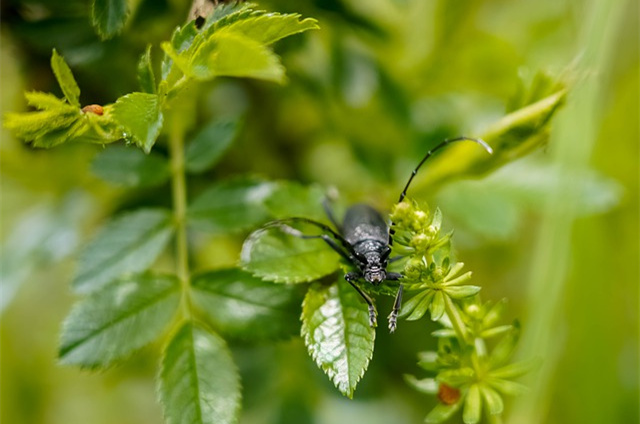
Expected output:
(468, 375)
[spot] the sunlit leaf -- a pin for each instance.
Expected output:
(335, 327)
(146, 77)
(460, 292)
(117, 320)
(267, 28)
(437, 306)
(130, 167)
(426, 385)
(502, 352)
(128, 244)
(507, 387)
(199, 382)
(230, 206)
(233, 55)
(208, 146)
(46, 101)
(65, 79)
(417, 306)
(275, 256)
(109, 16)
(141, 117)
(244, 306)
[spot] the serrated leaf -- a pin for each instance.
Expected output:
(275, 256)
(472, 406)
(117, 320)
(199, 382)
(267, 28)
(233, 55)
(32, 126)
(65, 79)
(240, 305)
(109, 16)
(141, 117)
(293, 199)
(208, 146)
(336, 331)
(129, 167)
(46, 101)
(128, 244)
(181, 39)
(230, 206)
(146, 77)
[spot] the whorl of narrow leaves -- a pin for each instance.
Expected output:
(335, 327)
(115, 321)
(128, 244)
(198, 382)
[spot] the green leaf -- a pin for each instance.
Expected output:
(460, 292)
(141, 117)
(208, 146)
(506, 346)
(472, 411)
(428, 360)
(32, 126)
(437, 306)
(510, 388)
(129, 167)
(65, 79)
(426, 385)
(515, 370)
(267, 28)
(46, 101)
(290, 199)
(335, 327)
(417, 306)
(441, 413)
(146, 76)
(275, 256)
(233, 55)
(494, 402)
(243, 306)
(119, 319)
(230, 206)
(456, 377)
(494, 313)
(199, 382)
(108, 17)
(128, 244)
(181, 39)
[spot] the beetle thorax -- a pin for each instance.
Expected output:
(374, 269)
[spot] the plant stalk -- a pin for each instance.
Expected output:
(179, 194)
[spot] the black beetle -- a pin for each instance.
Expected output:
(364, 240)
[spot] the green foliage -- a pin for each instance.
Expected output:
(337, 333)
(128, 244)
(242, 306)
(146, 76)
(129, 167)
(230, 206)
(65, 79)
(209, 145)
(117, 320)
(141, 117)
(274, 256)
(109, 16)
(199, 382)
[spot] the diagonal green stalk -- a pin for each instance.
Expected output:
(179, 195)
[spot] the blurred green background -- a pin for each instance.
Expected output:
(382, 81)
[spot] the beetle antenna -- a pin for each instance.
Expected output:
(435, 149)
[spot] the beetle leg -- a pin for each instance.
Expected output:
(297, 233)
(393, 316)
(351, 277)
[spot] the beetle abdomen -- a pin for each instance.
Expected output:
(362, 222)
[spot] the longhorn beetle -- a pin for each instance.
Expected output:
(364, 240)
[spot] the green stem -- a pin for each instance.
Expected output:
(179, 194)
(456, 319)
